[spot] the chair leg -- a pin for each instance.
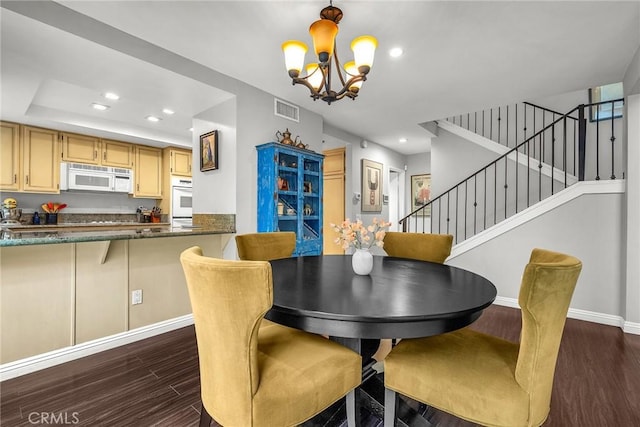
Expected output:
(390, 403)
(205, 418)
(353, 414)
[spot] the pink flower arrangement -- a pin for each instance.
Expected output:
(360, 237)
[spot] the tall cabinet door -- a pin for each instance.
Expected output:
(41, 160)
(9, 156)
(148, 172)
(334, 197)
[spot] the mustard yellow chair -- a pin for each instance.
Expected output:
(266, 246)
(253, 376)
(485, 379)
(420, 246)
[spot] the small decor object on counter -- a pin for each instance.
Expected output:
(155, 214)
(361, 238)
(36, 218)
(51, 218)
(52, 208)
(9, 203)
(10, 212)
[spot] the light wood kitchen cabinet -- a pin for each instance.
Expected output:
(95, 151)
(80, 148)
(40, 160)
(117, 154)
(9, 156)
(148, 172)
(180, 162)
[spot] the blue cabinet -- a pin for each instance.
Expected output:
(290, 194)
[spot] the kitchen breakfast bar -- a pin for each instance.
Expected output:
(71, 284)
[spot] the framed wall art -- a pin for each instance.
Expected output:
(371, 186)
(209, 151)
(421, 193)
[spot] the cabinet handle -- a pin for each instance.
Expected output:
(27, 179)
(138, 187)
(104, 156)
(95, 154)
(15, 178)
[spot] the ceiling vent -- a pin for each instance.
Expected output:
(286, 110)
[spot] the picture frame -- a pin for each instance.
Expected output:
(371, 186)
(421, 193)
(209, 151)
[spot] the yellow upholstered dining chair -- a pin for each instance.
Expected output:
(266, 246)
(485, 379)
(253, 376)
(420, 246)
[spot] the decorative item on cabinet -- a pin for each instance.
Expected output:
(290, 194)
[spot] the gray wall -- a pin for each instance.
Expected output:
(589, 227)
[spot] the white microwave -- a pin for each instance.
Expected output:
(77, 176)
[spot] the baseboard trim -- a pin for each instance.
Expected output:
(67, 354)
(631, 328)
(588, 316)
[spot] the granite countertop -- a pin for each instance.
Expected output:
(23, 235)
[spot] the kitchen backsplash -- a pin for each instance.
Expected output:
(80, 202)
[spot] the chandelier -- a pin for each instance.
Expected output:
(318, 78)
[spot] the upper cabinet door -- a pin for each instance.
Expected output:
(148, 172)
(80, 148)
(41, 160)
(117, 154)
(9, 156)
(180, 162)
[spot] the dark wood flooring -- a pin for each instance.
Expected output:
(155, 382)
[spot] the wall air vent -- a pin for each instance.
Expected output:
(286, 110)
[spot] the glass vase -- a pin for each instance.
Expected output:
(362, 262)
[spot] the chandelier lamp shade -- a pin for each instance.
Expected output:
(319, 76)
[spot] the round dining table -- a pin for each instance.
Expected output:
(400, 298)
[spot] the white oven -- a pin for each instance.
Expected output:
(181, 201)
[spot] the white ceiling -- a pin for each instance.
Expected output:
(58, 58)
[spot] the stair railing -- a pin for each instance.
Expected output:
(555, 157)
(508, 125)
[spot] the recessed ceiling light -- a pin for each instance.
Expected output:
(190, 129)
(111, 95)
(402, 140)
(153, 118)
(100, 107)
(396, 52)
(167, 111)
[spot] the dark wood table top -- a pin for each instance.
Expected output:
(401, 298)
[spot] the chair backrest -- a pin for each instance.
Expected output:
(266, 246)
(545, 293)
(420, 246)
(228, 299)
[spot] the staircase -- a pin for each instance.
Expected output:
(538, 153)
